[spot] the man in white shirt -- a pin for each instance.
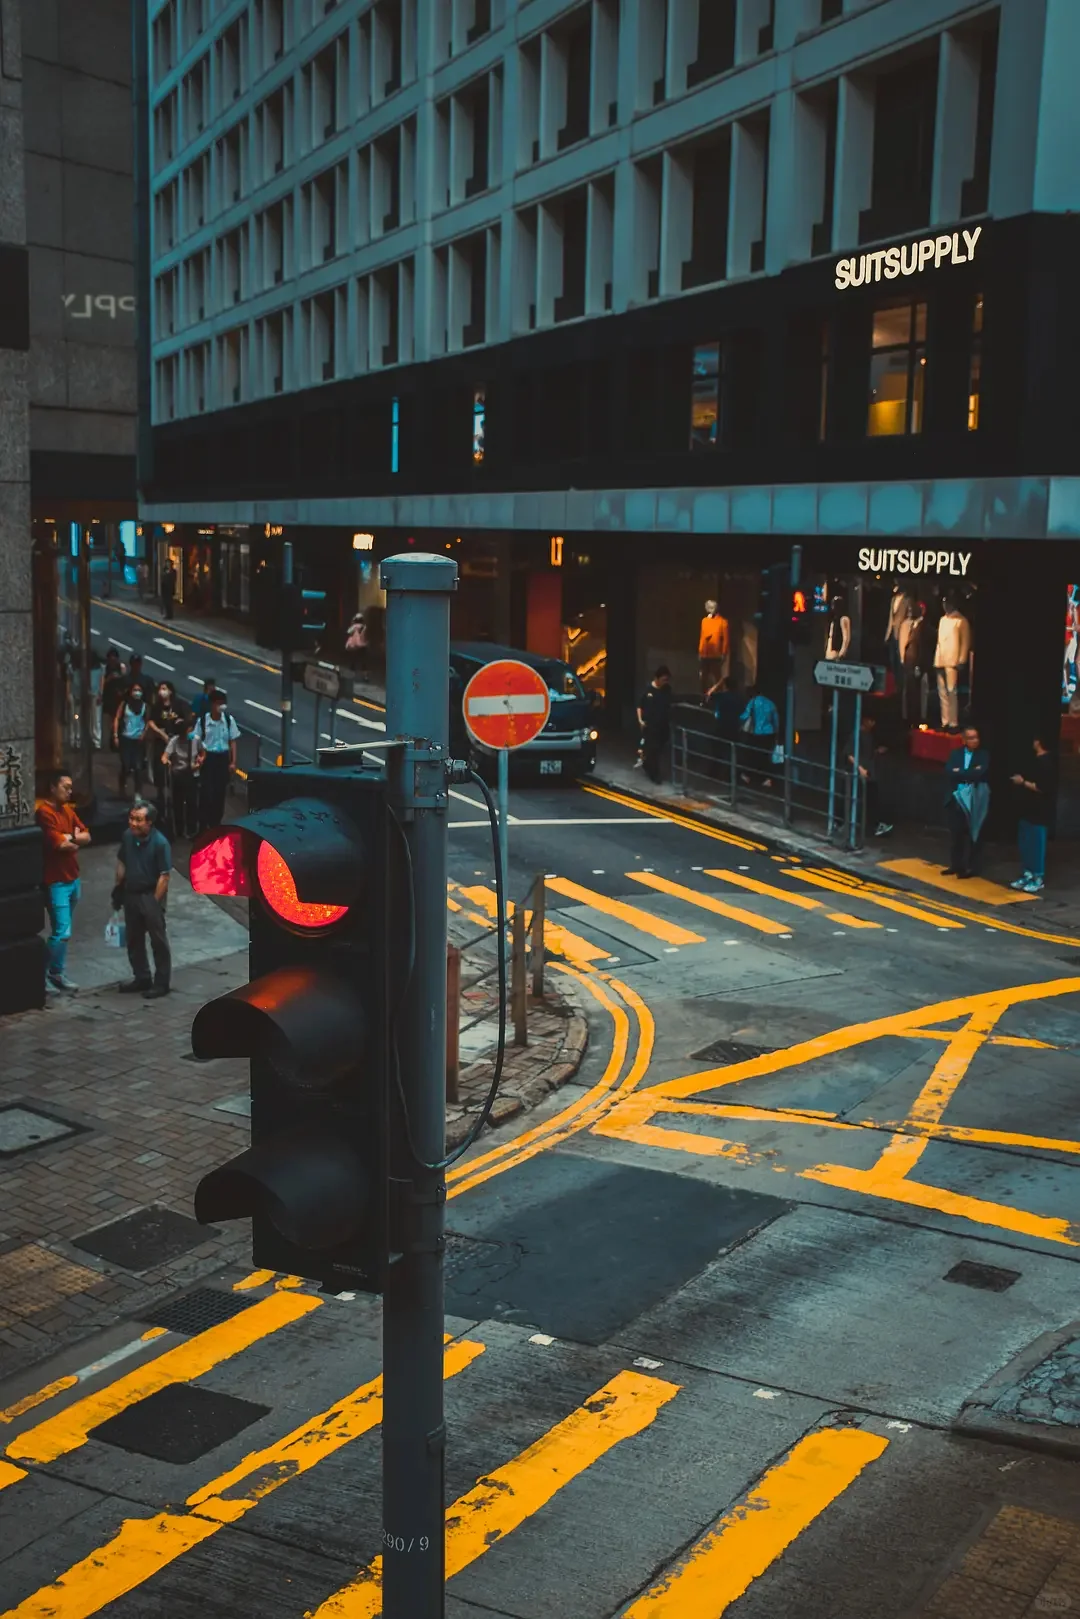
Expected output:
(217, 734)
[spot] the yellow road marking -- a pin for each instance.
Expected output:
(138, 1550)
(211, 646)
(582, 1114)
(9, 1474)
(935, 919)
(859, 885)
(258, 1278)
(1018, 1040)
(648, 808)
(143, 1546)
(506, 1498)
(852, 921)
(30, 1401)
(629, 1118)
(709, 902)
(802, 902)
(978, 888)
(67, 1430)
(558, 939)
(724, 1563)
(669, 932)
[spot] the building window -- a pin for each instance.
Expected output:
(975, 366)
(897, 370)
(705, 397)
(479, 414)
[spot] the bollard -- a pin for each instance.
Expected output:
(518, 999)
(538, 947)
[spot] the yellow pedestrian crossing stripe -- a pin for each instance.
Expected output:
(642, 921)
(68, 1429)
(503, 1501)
(786, 896)
(709, 902)
(724, 1563)
(558, 939)
(873, 897)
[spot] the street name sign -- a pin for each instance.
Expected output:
(323, 682)
(845, 676)
(506, 704)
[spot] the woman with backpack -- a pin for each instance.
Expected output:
(129, 735)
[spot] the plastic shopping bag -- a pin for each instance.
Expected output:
(115, 931)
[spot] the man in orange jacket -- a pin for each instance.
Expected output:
(65, 835)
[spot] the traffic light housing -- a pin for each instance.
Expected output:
(302, 619)
(315, 858)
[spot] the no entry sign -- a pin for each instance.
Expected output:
(506, 704)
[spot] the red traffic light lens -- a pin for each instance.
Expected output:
(278, 888)
(219, 866)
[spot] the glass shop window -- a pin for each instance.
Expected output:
(975, 366)
(705, 397)
(897, 370)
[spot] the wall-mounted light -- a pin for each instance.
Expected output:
(363, 542)
(167, 528)
(557, 543)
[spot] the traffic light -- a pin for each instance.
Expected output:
(301, 619)
(315, 859)
(802, 619)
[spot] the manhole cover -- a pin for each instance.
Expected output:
(179, 1423)
(152, 1236)
(989, 1277)
(196, 1311)
(22, 1128)
(729, 1051)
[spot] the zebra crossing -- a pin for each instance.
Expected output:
(599, 1446)
(653, 914)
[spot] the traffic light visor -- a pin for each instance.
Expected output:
(307, 861)
(219, 866)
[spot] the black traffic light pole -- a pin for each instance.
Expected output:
(418, 590)
(286, 663)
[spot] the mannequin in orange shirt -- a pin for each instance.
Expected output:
(713, 646)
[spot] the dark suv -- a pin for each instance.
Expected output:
(565, 748)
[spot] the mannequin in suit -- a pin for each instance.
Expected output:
(900, 609)
(714, 641)
(952, 655)
(911, 645)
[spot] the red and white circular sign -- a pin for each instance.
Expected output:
(506, 704)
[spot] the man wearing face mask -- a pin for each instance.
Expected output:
(164, 720)
(129, 733)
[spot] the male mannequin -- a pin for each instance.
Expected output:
(953, 652)
(911, 644)
(899, 612)
(713, 644)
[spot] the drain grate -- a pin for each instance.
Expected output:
(992, 1279)
(23, 1128)
(194, 1312)
(153, 1236)
(179, 1423)
(729, 1051)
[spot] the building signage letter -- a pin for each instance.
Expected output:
(891, 560)
(909, 259)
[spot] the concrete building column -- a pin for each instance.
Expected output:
(954, 124)
(747, 195)
(1021, 41)
(854, 157)
(16, 625)
(797, 144)
(1057, 183)
(676, 221)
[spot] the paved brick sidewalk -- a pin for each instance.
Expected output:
(149, 1120)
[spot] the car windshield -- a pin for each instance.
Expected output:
(561, 680)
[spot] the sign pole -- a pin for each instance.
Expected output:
(789, 710)
(504, 841)
(315, 734)
(418, 590)
(853, 838)
(832, 759)
(286, 666)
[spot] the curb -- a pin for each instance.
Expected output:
(977, 1419)
(536, 1086)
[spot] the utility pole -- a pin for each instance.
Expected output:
(789, 714)
(286, 665)
(418, 588)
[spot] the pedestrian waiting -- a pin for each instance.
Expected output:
(180, 762)
(217, 734)
(64, 836)
(654, 718)
(130, 733)
(143, 868)
(1036, 789)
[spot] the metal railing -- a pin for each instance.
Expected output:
(796, 791)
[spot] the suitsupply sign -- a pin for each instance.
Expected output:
(887, 263)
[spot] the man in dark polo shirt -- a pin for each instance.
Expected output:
(143, 867)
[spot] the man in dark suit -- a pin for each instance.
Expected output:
(967, 802)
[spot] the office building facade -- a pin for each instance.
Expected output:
(619, 301)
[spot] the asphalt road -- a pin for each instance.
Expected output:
(711, 1341)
